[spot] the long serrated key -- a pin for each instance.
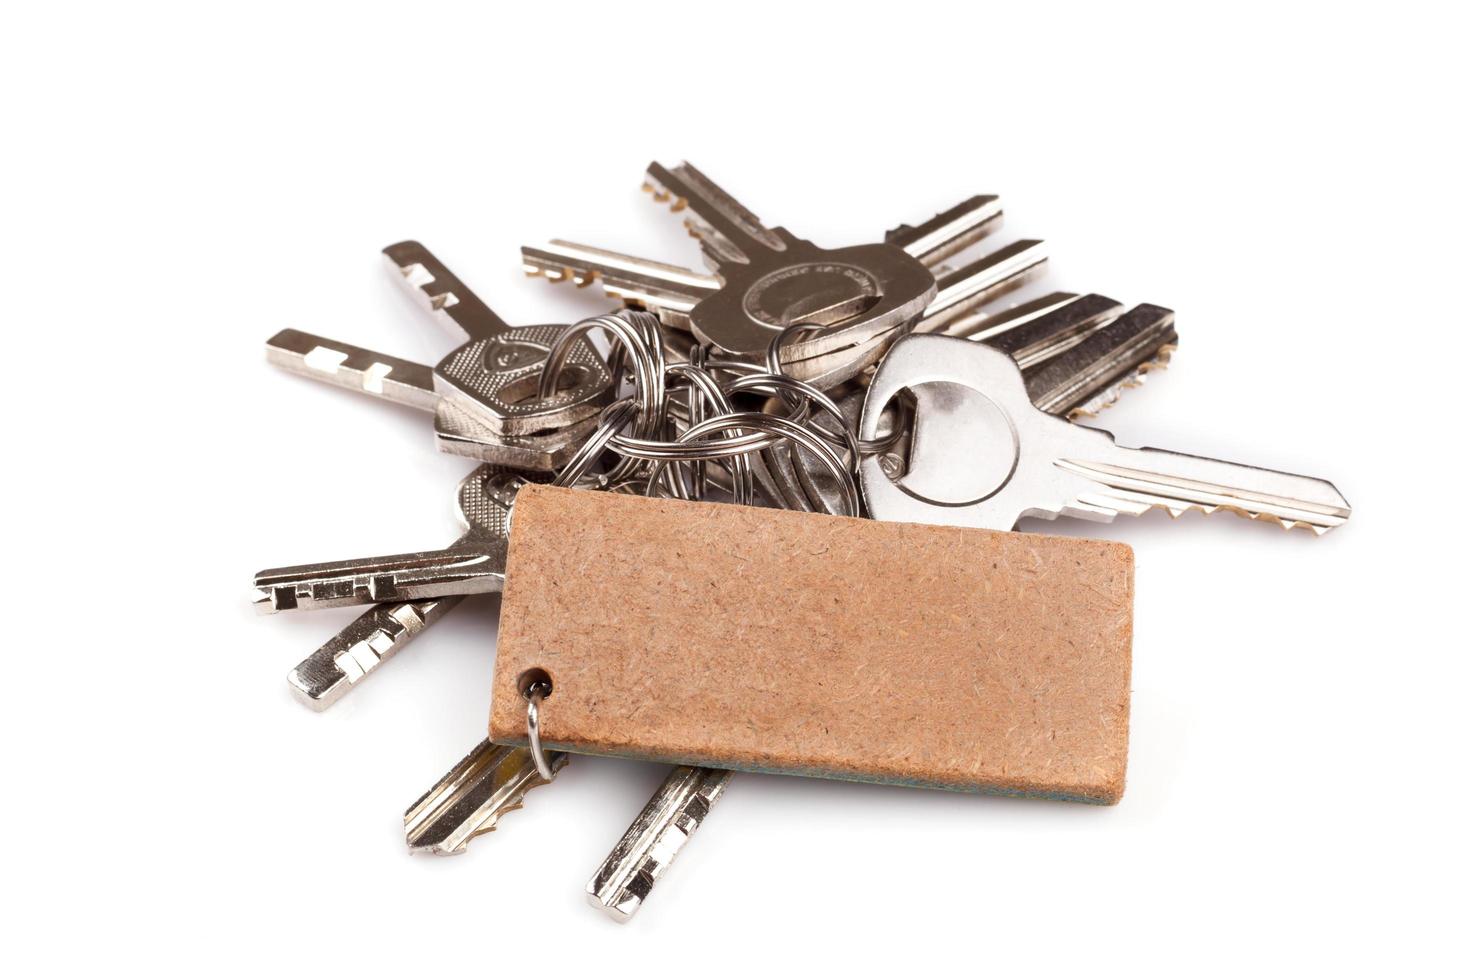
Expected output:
(983, 455)
(1076, 353)
(456, 430)
(654, 839)
(362, 647)
(475, 563)
(471, 798)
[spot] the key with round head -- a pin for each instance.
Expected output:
(1077, 353)
(983, 455)
(475, 563)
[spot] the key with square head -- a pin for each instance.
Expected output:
(456, 430)
(475, 563)
(983, 455)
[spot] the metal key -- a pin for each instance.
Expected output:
(983, 455)
(672, 291)
(362, 647)
(654, 839)
(1077, 355)
(475, 563)
(456, 430)
(495, 373)
(471, 798)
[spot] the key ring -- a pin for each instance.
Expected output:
(535, 688)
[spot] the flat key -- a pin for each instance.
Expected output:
(1076, 353)
(770, 279)
(984, 456)
(457, 430)
(473, 564)
(471, 798)
(495, 373)
(368, 642)
(654, 839)
(669, 292)
(949, 231)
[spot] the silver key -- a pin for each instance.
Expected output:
(362, 647)
(1076, 353)
(654, 839)
(983, 455)
(475, 563)
(671, 292)
(494, 375)
(456, 430)
(471, 798)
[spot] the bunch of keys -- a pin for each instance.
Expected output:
(866, 382)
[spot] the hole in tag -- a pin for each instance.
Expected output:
(534, 681)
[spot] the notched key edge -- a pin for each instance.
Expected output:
(470, 799)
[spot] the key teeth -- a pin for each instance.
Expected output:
(1136, 378)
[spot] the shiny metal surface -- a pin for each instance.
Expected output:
(984, 456)
(470, 798)
(474, 563)
(654, 839)
(362, 647)
(492, 375)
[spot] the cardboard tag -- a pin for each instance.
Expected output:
(777, 641)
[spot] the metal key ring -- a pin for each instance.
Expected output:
(534, 694)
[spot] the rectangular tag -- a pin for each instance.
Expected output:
(777, 641)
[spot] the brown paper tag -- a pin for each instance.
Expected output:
(776, 641)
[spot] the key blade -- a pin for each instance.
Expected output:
(411, 576)
(362, 647)
(983, 325)
(1044, 338)
(440, 291)
(1135, 481)
(950, 231)
(472, 797)
(981, 282)
(667, 291)
(1087, 377)
(725, 225)
(355, 368)
(654, 839)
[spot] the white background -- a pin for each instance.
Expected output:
(181, 183)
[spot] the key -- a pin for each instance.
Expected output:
(494, 375)
(654, 839)
(671, 292)
(394, 379)
(475, 563)
(362, 647)
(1072, 362)
(982, 455)
(472, 797)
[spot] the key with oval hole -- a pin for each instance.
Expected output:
(474, 564)
(983, 455)
(757, 299)
(652, 286)
(456, 430)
